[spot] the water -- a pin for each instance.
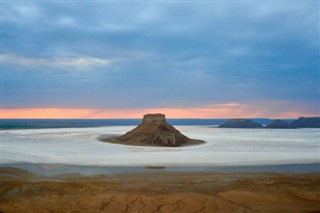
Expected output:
(64, 123)
(80, 146)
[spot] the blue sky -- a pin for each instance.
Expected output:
(112, 55)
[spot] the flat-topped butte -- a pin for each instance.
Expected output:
(154, 131)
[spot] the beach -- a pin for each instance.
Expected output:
(158, 190)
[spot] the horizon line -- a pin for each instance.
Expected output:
(222, 112)
(223, 118)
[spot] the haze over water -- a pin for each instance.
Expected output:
(80, 146)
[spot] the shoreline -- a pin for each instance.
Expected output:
(160, 191)
(51, 169)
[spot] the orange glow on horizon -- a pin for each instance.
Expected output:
(210, 111)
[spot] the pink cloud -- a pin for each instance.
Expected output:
(270, 109)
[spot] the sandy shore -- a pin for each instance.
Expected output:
(160, 191)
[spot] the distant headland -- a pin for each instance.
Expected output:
(302, 122)
(154, 131)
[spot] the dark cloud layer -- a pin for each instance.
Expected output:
(159, 54)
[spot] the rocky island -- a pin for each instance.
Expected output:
(302, 122)
(240, 123)
(278, 124)
(154, 131)
(306, 122)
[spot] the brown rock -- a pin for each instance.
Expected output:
(154, 131)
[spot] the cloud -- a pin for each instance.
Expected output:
(21, 12)
(228, 110)
(224, 105)
(77, 63)
(65, 21)
(160, 54)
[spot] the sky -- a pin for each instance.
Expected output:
(108, 59)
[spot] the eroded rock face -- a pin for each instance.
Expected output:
(154, 119)
(154, 130)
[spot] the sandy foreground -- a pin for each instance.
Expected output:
(160, 191)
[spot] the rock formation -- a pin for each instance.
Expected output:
(154, 131)
(240, 123)
(278, 124)
(306, 122)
